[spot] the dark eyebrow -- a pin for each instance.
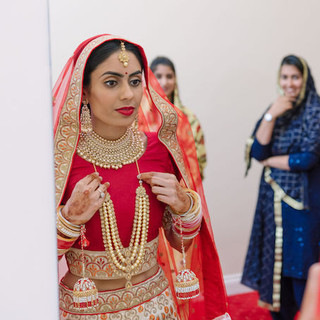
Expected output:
(135, 73)
(112, 73)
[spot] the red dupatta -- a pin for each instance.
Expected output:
(174, 131)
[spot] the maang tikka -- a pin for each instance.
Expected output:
(123, 56)
(85, 118)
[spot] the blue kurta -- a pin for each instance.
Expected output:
(301, 228)
(296, 133)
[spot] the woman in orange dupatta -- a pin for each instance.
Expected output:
(173, 153)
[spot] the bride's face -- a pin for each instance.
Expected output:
(114, 94)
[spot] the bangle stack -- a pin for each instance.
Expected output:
(188, 223)
(67, 228)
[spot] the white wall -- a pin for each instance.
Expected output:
(227, 55)
(28, 268)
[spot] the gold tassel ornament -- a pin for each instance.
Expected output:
(85, 293)
(186, 284)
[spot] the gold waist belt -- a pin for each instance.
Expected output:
(141, 301)
(99, 265)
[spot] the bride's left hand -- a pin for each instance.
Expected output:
(167, 189)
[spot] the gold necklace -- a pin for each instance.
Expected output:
(111, 154)
(134, 254)
(114, 154)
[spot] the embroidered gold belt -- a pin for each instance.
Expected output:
(125, 299)
(99, 265)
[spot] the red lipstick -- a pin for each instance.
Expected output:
(126, 111)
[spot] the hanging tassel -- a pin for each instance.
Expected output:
(85, 293)
(186, 284)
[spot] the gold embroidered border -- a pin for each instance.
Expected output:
(66, 138)
(99, 265)
(268, 306)
(167, 132)
(120, 299)
(304, 81)
(247, 153)
(61, 252)
(279, 196)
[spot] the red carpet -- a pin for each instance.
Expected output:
(244, 307)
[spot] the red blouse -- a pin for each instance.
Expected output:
(123, 185)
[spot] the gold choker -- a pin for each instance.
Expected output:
(111, 154)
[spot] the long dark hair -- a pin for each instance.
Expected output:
(293, 61)
(164, 61)
(104, 51)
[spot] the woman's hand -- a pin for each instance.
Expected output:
(85, 199)
(279, 162)
(168, 190)
(281, 105)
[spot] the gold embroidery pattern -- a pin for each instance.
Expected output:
(247, 157)
(167, 133)
(147, 300)
(99, 265)
(279, 196)
(67, 134)
(304, 81)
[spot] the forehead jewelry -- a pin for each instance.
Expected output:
(123, 56)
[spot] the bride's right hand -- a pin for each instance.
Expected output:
(85, 199)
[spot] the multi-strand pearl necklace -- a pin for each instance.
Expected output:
(114, 154)
(111, 154)
(133, 255)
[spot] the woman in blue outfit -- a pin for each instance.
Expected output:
(286, 229)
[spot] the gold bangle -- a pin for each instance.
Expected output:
(66, 239)
(195, 207)
(65, 222)
(65, 227)
(190, 208)
(66, 231)
(195, 201)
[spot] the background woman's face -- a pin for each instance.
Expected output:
(166, 78)
(291, 80)
(115, 91)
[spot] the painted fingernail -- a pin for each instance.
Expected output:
(139, 176)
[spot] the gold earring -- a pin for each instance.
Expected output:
(135, 123)
(85, 118)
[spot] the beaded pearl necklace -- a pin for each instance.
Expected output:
(103, 153)
(133, 255)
